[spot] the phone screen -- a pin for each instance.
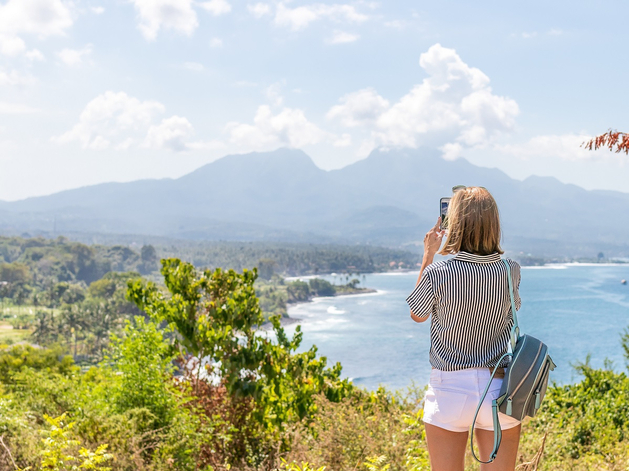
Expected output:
(444, 203)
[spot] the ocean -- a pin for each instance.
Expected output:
(579, 310)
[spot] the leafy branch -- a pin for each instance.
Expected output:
(614, 140)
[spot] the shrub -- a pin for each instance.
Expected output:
(347, 434)
(144, 361)
(298, 291)
(18, 357)
(321, 287)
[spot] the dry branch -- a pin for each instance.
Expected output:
(8, 452)
(534, 463)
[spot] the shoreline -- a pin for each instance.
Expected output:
(288, 320)
(404, 271)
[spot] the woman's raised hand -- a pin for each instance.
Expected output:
(433, 238)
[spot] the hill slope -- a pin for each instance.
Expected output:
(390, 198)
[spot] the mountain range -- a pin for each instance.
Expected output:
(390, 198)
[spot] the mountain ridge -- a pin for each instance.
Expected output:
(389, 198)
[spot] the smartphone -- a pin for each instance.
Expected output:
(443, 212)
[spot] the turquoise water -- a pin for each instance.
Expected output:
(576, 309)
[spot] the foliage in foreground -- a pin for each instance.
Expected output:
(255, 401)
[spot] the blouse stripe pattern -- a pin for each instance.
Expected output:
(468, 298)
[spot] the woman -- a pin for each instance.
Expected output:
(467, 299)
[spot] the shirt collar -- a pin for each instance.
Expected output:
(470, 257)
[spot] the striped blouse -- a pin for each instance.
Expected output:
(468, 297)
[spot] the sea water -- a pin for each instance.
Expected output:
(578, 310)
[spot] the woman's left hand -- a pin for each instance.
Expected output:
(432, 239)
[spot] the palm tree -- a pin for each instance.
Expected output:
(71, 321)
(102, 319)
(45, 329)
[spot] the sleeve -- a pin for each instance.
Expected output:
(515, 277)
(422, 299)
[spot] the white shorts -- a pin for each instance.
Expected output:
(453, 396)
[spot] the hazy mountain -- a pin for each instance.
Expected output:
(390, 198)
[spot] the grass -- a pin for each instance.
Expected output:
(8, 311)
(9, 336)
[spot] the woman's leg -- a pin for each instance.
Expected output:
(446, 449)
(507, 453)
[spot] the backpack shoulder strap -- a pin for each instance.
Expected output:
(494, 412)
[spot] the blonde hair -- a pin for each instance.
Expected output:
(473, 223)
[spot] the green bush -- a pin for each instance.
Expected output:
(298, 291)
(144, 361)
(589, 417)
(18, 357)
(321, 287)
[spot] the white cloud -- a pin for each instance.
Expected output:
(34, 55)
(534, 34)
(15, 78)
(454, 104)
(16, 108)
(274, 93)
(564, 146)
(361, 108)
(171, 134)
(451, 150)
(300, 17)
(75, 57)
(289, 128)
(396, 24)
(194, 66)
(340, 37)
(216, 42)
(42, 18)
(98, 10)
(216, 7)
(11, 45)
(177, 15)
(211, 145)
(259, 9)
(344, 140)
(120, 121)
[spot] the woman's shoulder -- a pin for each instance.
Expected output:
(512, 263)
(437, 266)
(514, 266)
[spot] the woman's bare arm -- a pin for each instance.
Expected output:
(432, 242)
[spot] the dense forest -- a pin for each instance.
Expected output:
(292, 259)
(67, 260)
(68, 292)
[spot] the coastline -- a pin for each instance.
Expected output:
(288, 320)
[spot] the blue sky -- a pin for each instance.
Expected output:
(95, 91)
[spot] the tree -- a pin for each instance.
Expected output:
(15, 273)
(72, 321)
(45, 331)
(614, 140)
(148, 256)
(144, 359)
(321, 287)
(298, 291)
(266, 268)
(216, 315)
